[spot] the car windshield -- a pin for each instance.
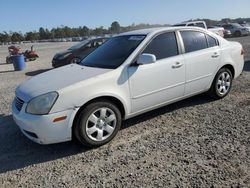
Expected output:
(79, 45)
(113, 52)
(237, 25)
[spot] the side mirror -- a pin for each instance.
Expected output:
(146, 59)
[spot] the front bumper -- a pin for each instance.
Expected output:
(41, 128)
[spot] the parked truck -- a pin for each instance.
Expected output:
(218, 30)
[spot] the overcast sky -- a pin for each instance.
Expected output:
(29, 15)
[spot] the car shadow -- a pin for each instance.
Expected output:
(6, 71)
(36, 72)
(247, 66)
(193, 101)
(18, 152)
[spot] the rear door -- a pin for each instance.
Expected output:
(202, 56)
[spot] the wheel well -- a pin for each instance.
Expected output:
(231, 68)
(113, 100)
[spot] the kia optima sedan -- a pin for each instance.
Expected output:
(128, 75)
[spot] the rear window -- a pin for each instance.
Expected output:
(177, 25)
(211, 41)
(200, 25)
(227, 26)
(194, 41)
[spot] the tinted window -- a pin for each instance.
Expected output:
(227, 26)
(193, 40)
(163, 46)
(79, 45)
(211, 41)
(113, 52)
(200, 25)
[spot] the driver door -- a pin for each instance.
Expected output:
(163, 81)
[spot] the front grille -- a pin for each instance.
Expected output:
(18, 103)
(31, 134)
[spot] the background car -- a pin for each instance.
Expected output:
(236, 29)
(202, 24)
(227, 33)
(77, 52)
(246, 25)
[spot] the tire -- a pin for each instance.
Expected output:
(97, 124)
(222, 84)
(75, 60)
(8, 60)
(237, 33)
(32, 59)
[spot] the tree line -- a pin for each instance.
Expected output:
(84, 31)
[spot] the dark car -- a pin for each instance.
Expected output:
(236, 29)
(77, 52)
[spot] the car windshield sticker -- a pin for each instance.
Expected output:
(136, 38)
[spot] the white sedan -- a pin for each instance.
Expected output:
(130, 74)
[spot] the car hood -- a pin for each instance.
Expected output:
(56, 79)
(57, 55)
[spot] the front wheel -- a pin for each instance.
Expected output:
(222, 84)
(75, 60)
(8, 60)
(98, 124)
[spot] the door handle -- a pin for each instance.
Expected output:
(177, 65)
(215, 55)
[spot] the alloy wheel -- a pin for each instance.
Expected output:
(224, 83)
(101, 124)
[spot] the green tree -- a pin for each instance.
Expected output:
(83, 31)
(44, 33)
(99, 31)
(68, 31)
(115, 27)
(5, 37)
(31, 36)
(17, 37)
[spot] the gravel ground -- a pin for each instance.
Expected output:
(197, 142)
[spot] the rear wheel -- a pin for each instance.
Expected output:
(222, 84)
(98, 124)
(237, 33)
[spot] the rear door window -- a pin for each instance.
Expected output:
(194, 41)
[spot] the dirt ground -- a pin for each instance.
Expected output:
(197, 142)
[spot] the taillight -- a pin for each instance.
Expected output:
(242, 51)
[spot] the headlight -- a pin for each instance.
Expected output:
(64, 56)
(42, 104)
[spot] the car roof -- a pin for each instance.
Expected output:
(157, 30)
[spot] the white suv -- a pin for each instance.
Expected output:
(130, 74)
